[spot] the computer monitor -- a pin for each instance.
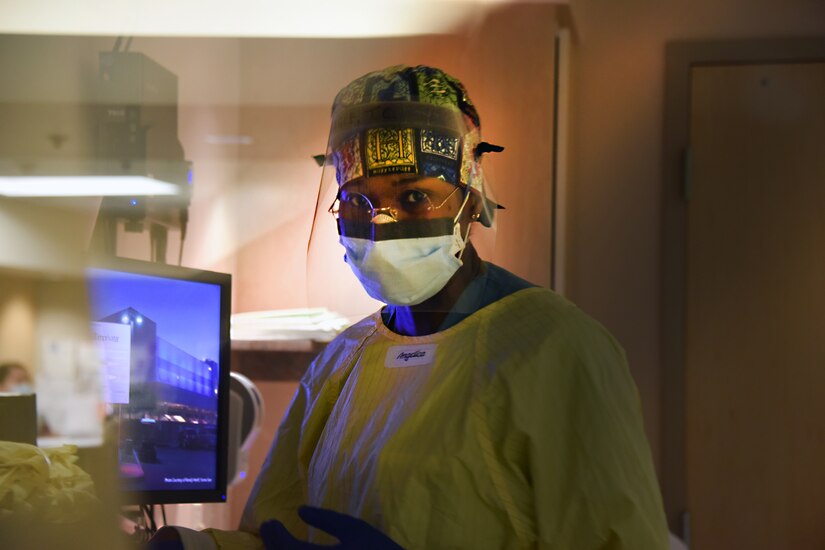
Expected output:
(163, 332)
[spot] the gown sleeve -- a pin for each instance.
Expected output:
(281, 486)
(586, 455)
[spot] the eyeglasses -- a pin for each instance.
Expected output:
(406, 203)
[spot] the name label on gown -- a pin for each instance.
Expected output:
(410, 356)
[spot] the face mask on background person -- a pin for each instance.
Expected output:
(14, 378)
(24, 388)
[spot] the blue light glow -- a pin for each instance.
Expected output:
(193, 328)
(133, 202)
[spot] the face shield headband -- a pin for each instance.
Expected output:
(402, 138)
(411, 139)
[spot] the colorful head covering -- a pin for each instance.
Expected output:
(404, 120)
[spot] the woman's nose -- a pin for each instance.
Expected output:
(383, 215)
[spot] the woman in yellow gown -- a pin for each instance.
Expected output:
(475, 410)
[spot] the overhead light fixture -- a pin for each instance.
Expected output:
(91, 125)
(118, 138)
(243, 18)
(85, 186)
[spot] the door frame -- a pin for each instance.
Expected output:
(680, 58)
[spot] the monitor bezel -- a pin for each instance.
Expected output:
(224, 282)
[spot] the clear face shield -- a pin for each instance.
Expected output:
(403, 203)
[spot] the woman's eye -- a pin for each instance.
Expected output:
(413, 197)
(357, 200)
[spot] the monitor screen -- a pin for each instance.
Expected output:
(163, 332)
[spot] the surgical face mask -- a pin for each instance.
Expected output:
(407, 271)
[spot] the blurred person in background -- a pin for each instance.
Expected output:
(14, 378)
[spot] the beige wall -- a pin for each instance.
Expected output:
(615, 210)
(35, 309)
(17, 320)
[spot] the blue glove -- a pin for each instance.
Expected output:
(354, 533)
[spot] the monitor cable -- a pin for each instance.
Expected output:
(184, 220)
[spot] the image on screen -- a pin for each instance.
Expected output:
(160, 342)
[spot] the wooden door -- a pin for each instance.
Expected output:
(755, 310)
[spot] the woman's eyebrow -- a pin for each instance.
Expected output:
(353, 186)
(406, 180)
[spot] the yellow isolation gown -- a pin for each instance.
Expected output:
(518, 427)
